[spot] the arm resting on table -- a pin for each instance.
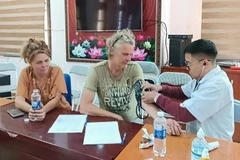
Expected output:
(86, 106)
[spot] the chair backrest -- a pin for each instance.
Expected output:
(80, 69)
(9, 66)
(68, 95)
(236, 111)
(174, 78)
(150, 71)
(149, 67)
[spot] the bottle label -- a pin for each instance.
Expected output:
(195, 156)
(196, 153)
(160, 134)
(36, 105)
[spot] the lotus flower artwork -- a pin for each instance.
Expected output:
(74, 42)
(94, 47)
(147, 45)
(101, 43)
(86, 44)
(95, 52)
(139, 54)
(140, 38)
(79, 51)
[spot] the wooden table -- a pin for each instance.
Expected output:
(4, 101)
(33, 142)
(178, 148)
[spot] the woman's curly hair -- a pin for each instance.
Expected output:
(33, 47)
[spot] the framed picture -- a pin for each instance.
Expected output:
(89, 45)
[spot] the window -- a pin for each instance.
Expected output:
(19, 20)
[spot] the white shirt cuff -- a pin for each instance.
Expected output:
(156, 97)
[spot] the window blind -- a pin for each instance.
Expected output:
(19, 20)
(221, 24)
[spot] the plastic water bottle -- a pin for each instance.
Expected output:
(198, 144)
(205, 154)
(36, 100)
(159, 146)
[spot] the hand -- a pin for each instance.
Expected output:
(148, 97)
(40, 114)
(37, 115)
(173, 128)
(31, 114)
(152, 87)
(118, 117)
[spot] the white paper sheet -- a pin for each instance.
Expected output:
(68, 124)
(102, 133)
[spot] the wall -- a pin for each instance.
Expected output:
(165, 17)
(186, 17)
(180, 17)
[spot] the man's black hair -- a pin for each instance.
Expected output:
(200, 47)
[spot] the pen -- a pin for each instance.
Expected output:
(124, 137)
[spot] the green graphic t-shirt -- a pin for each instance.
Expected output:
(115, 94)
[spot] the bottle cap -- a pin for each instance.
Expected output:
(205, 153)
(26, 120)
(35, 90)
(160, 114)
(200, 133)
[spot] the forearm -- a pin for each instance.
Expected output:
(151, 109)
(21, 104)
(91, 109)
(174, 108)
(173, 92)
(51, 104)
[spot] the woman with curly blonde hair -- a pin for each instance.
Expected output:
(49, 80)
